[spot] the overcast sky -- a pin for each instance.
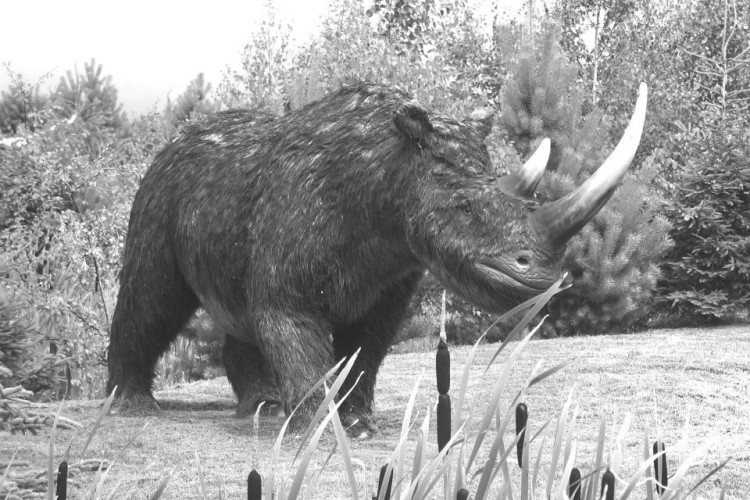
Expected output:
(150, 48)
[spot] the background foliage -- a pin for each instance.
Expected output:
(672, 242)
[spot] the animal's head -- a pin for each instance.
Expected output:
(483, 235)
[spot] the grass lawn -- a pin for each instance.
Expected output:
(692, 384)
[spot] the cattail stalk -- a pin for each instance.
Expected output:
(660, 467)
(254, 486)
(522, 418)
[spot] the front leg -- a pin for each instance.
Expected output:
(374, 333)
(297, 349)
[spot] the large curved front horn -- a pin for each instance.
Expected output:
(523, 182)
(563, 218)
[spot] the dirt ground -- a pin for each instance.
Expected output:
(688, 384)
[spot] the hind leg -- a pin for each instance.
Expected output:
(252, 379)
(373, 333)
(153, 304)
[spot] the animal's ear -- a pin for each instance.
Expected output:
(412, 121)
(481, 121)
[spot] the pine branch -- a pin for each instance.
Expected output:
(707, 59)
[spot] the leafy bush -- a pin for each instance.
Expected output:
(20, 105)
(65, 255)
(417, 327)
(707, 274)
(21, 362)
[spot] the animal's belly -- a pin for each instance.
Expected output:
(235, 324)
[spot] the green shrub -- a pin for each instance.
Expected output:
(417, 327)
(707, 274)
(21, 362)
(65, 259)
(196, 354)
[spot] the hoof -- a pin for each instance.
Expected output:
(270, 408)
(135, 404)
(360, 427)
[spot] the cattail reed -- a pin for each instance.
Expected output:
(254, 486)
(660, 467)
(522, 418)
(608, 483)
(443, 376)
(574, 484)
(381, 480)
(61, 490)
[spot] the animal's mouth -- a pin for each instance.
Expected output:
(495, 273)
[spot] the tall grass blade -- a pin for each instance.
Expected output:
(405, 426)
(619, 452)
(323, 408)
(309, 492)
(539, 303)
(636, 478)
(705, 478)
(346, 455)
(548, 373)
(420, 451)
(676, 482)
(493, 465)
(567, 469)
(496, 393)
(600, 440)
(102, 413)
(559, 434)
(117, 487)
(385, 483)
(461, 395)
(101, 476)
(271, 480)
(420, 485)
(201, 482)
(538, 459)
(570, 432)
(51, 459)
(525, 464)
(294, 489)
(459, 483)
(646, 455)
(160, 488)
(441, 472)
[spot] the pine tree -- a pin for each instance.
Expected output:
(90, 97)
(193, 101)
(88, 102)
(614, 259)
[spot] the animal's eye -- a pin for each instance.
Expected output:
(465, 206)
